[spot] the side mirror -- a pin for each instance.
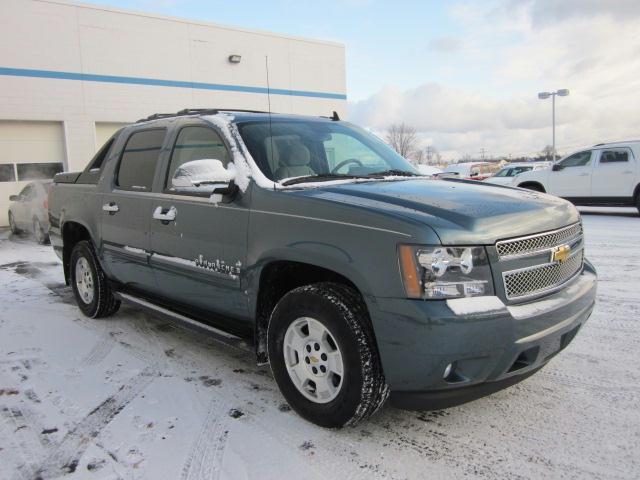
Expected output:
(14, 198)
(557, 167)
(206, 176)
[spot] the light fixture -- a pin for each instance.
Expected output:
(235, 58)
(563, 92)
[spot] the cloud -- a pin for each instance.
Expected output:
(592, 51)
(445, 44)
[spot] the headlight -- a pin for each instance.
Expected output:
(445, 272)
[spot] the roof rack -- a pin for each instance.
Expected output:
(211, 111)
(196, 111)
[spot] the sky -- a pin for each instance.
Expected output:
(466, 74)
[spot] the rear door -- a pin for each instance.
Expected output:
(614, 173)
(199, 254)
(126, 210)
(574, 179)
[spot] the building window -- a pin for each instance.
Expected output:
(38, 171)
(7, 173)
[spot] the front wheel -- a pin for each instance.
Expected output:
(89, 283)
(323, 355)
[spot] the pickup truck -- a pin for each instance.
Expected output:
(608, 174)
(328, 255)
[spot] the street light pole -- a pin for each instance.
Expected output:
(563, 92)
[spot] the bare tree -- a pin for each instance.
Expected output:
(403, 139)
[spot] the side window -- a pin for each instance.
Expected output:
(27, 192)
(196, 143)
(139, 159)
(579, 159)
(92, 172)
(474, 171)
(614, 156)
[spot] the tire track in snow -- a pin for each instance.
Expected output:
(100, 350)
(25, 437)
(204, 461)
(64, 458)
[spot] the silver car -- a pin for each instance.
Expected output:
(29, 210)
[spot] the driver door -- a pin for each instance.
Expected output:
(573, 179)
(199, 247)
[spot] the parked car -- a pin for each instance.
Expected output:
(505, 175)
(314, 241)
(470, 171)
(428, 170)
(29, 210)
(606, 174)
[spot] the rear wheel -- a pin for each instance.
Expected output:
(323, 355)
(38, 232)
(12, 224)
(89, 283)
(638, 203)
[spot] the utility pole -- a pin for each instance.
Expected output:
(482, 153)
(428, 154)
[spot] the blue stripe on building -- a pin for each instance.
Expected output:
(155, 82)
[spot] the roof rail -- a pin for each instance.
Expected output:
(196, 111)
(210, 111)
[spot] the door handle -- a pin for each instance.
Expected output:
(110, 207)
(627, 172)
(583, 175)
(165, 214)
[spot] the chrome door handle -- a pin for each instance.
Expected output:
(166, 216)
(110, 207)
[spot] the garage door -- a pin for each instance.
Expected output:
(28, 151)
(104, 130)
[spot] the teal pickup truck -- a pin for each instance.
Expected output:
(352, 275)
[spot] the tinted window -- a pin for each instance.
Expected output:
(197, 143)
(139, 158)
(577, 160)
(92, 172)
(612, 156)
(7, 174)
(38, 171)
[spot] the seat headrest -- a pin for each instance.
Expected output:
(296, 155)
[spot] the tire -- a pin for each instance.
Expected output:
(38, 232)
(335, 400)
(89, 283)
(638, 203)
(12, 225)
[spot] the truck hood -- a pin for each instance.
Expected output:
(459, 212)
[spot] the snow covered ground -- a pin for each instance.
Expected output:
(133, 397)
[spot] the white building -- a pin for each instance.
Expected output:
(72, 74)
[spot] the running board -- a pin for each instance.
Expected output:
(186, 322)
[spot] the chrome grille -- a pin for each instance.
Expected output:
(531, 244)
(541, 278)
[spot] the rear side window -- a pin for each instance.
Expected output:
(613, 156)
(139, 159)
(92, 172)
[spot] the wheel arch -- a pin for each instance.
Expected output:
(533, 185)
(72, 232)
(274, 280)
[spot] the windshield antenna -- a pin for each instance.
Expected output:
(266, 64)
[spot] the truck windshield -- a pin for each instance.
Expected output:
(319, 151)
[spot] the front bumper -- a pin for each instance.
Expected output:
(489, 349)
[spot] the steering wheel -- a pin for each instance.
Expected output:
(346, 162)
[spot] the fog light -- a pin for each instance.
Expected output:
(447, 370)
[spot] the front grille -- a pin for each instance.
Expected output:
(541, 278)
(531, 244)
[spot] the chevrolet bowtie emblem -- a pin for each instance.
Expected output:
(561, 253)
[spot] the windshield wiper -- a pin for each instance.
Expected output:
(393, 172)
(322, 178)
